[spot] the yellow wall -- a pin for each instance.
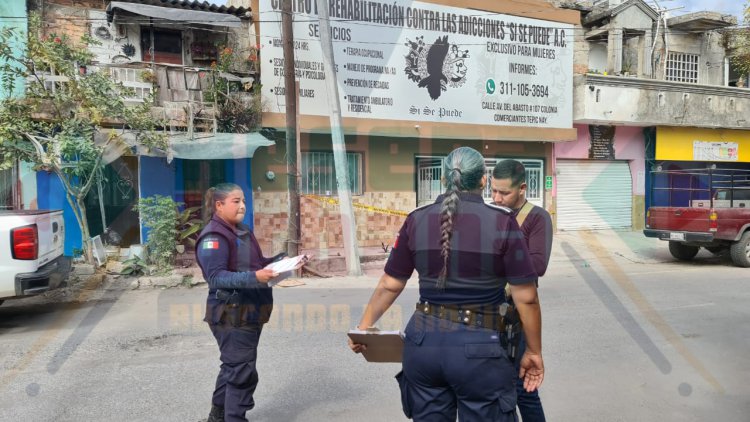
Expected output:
(676, 144)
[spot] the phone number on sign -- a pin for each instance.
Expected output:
(523, 89)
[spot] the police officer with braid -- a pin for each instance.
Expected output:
(239, 298)
(455, 360)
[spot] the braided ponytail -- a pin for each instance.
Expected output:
(463, 170)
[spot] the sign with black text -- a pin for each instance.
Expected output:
(410, 60)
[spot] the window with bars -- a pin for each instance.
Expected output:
(430, 186)
(319, 173)
(682, 67)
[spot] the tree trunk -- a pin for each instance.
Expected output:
(88, 246)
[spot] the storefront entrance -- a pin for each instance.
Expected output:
(594, 195)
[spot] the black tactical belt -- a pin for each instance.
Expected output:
(483, 316)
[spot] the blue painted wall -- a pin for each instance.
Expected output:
(238, 171)
(51, 195)
(155, 177)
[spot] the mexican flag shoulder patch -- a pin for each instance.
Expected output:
(210, 244)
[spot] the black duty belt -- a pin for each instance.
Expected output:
(485, 316)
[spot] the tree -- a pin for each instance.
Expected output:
(67, 103)
(740, 43)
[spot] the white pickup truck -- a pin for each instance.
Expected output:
(31, 252)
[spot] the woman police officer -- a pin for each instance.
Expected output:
(464, 251)
(239, 299)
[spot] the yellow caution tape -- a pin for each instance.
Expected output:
(368, 208)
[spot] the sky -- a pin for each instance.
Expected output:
(732, 7)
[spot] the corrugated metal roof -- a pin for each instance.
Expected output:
(202, 6)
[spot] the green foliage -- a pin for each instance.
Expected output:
(134, 266)
(740, 42)
(235, 113)
(68, 103)
(159, 215)
(189, 226)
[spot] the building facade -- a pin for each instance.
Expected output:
(641, 75)
(197, 62)
(506, 89)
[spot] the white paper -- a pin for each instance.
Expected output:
(285, 267)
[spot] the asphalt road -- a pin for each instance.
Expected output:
(625, 339)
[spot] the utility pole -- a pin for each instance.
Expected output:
(290, 96)
(348, 224)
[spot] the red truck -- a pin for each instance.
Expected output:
(704, 208)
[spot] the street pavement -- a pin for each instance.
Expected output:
(629, 335)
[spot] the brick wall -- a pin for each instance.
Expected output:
(321, 222)
(63, 19)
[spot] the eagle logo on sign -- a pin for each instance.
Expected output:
(437, 66)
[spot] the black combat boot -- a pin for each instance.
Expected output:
(216, 414)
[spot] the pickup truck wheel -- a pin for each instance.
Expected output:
(740, 251)
(682, 251)
(1, 302)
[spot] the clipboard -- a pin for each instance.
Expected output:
(382, 346)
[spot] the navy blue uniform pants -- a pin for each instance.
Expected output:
(450, 370)
(529, 404)
(238, 376)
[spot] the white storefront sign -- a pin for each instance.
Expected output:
(409, 60)
(715, 151)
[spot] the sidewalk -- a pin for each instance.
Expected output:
(632, 246)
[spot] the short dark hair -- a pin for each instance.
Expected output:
(510, 169)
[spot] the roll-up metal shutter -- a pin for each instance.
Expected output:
(594, 195)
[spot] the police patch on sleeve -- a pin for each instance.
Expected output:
(210, 243)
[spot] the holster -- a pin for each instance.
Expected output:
(232, 310)
(513, 328)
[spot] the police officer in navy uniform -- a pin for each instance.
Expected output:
(455, 360)
(239, 298)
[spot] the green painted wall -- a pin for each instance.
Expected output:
(14, 15)
(388, 162)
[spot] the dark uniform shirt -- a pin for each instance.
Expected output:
(488, 250)
(229, 257)
(537, 229)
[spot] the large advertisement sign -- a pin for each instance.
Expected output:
(409, 60)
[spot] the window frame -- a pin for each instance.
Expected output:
(357, 186)
(680, 67)
(161, 56)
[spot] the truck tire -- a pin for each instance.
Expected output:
(740, 251)
(682, 251)
(1, 302)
